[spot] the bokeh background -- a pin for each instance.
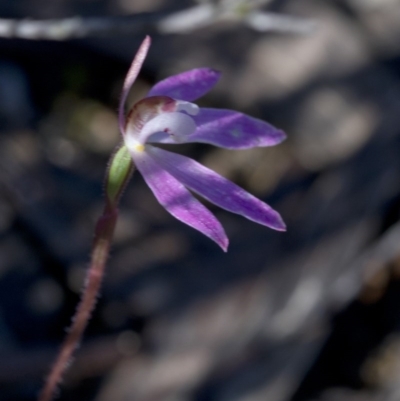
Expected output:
(311, 314)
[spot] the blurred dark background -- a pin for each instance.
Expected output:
(311, 314)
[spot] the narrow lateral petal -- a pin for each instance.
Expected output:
(130, 79)
(178, 201)
(189, 85)
(232, 130)
(217, 189)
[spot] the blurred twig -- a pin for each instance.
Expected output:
(77, 27)
(384, 250)
(96, 357)
(183, 21)
(209, 14)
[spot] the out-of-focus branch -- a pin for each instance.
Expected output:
(77, 27)
(386, 249)
(272, 22)
(248, 14)
(183, 21)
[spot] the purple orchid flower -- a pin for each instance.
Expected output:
(167, 115)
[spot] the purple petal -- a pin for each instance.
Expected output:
(232, 130)
(175, 198)
(189, 85)
(130, 79)
(217, 189)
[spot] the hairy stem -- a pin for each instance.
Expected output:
(101, 246)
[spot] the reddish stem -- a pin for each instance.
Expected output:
(101, 246)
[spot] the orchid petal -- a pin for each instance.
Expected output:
(178, 201)
(229, 129)
(189, 85)
(130, 79)
(217, 189)
(232, 130)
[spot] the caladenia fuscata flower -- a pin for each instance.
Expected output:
(168, 116)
